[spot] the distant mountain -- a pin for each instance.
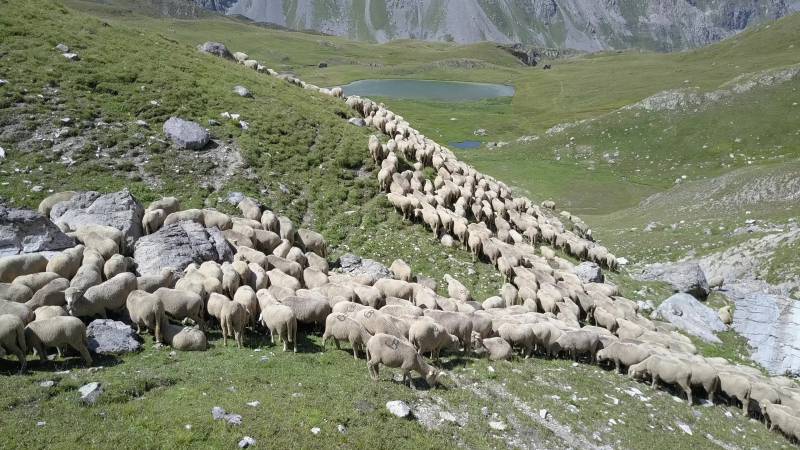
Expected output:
(588, 25)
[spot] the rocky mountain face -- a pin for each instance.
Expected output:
(588, 25)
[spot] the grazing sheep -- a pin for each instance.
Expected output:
(623, 354)
(280, 319)
(146, 310)
(497, 348)
(394, 288)
(279, 278)
(52, 294)
(494, 303)
(182, 305)
(57, 332)
(666, 369)
(401, 270)
(783, 418)
(377, 322)
(185, 339)
(736, 386)
(250, 209)
(308, 310)
(12, 338)
(36, 281)
(341, 326)
(153, 220)
(212, 218)
(112, 294)
(429, 336)
(46, 312)
(20, 310)
(457, 290)
(270, 221)
(369, 295)
(317, 262)
(348, 308)
(67, 263)
(457, 324)
(14, 266)
(187, 215)
(105, 246)
(716, 282)
(398, 353)
(168, 204)
(518, 335)
(577, 343)
(233, 318)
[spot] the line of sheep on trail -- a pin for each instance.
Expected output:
(280, 279)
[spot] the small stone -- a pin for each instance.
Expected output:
(3, 82)
(217, 413)
(543, 413)
(357, 121)
(485, 411)
(47, 384)
(142, 123)
(173, 354)
(497, 425)
(684, 427)
(72, 56)
(315, 431)
(90, 393)
(242, 91)
(399, 408)
(341, 429)
(2, 153)
(188, 426)
(448, 416)
(62, 48)
(37, 188)
(247, 441)
(41, 423)
(244, 125)
(66, 120)
(254, 404)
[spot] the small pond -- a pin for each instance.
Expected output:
(446, 91)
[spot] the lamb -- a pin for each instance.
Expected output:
(67, 263)
(666, 369)
(429, 336)
(457, 324)
(146, 310)
(497, 347)
(395, 352)
(308, 310)
(51, 294)
(185, 339)
(401, 270)
(15, 292)
(623, 354)
(233, 318)
(182, 305)
(57, 332)
(577, 343)
(341, 326)
(280, 319)
(16, 265)
(12, 338)
(46, 312)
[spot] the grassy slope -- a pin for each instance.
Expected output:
(294, 138)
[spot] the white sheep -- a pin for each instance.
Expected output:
(392, 351)
(341, 326)
(186, 339)
(428, 336)
(13, 266)
(182, 305)
(146, 310)
(12, 338)
(233, 318)
(67, 262)
(57, 332)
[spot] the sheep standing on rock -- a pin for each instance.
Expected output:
(394, 352)
(12, 338)
(57, 332)
(342, 327)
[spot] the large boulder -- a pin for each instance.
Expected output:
(26, 231)
(216, 49)
(178, 245)
(685, 277)
(688, 314)
(355, 265)
(119, 210)
(186, 134)
(110, 337)
(589, 272)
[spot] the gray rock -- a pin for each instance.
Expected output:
(234, 198)
(119, 210)
(62, 48)
(90, 393)
(427, 282)
(247, 441)
(110, 337)
(685, 277)
(589, 272)
(2, 150)
(231, 419)
(178, 245)
(355, 265)
(498, 425)
(3, 82)
(186, 134)
(72, 56)
(242, 91)
(357, 121)
(216, 49)
(399, 408)
(142, 123)
(26, 231)
(688, 314)
(47, 384)
(447, 241)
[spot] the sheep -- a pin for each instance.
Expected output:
(623, 354)
(280, 319)
(52, 294)
(429, 336)
(605, 319)
(494, 303)
(314, 278)
(233, 318)
(518, 335)
(457, 324)
(16, 265)
(230, 280)
(278, 278)
(401, 270)
(481, 323)
(186, 339)
(57, 332)
(113, 294)
(341, 326)
(369, 295)
(317, 262)
(46, 312)
(246, 296)
(15, 292)
(212, 218)
(576, 343)
(12, 338)
(188, 215)
(67, 263)
(215, 303)
(286, 229)
(250, 209)
(313, 242)
(153, 220)
(348, 308)
(182, 305)
(394, 288)
(36, 281)
(270, 221)
(395, 352)
(151, 283)
(726, 315)
(47, 204)
(250, 255)
(146, 310)
(666, 369)
(497, 348)
(308, 310)
(20, 310)
(783, 418)
(167, 204)
(115, 265)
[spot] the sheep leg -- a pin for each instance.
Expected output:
(84, 353)
(355, 351)
(13, 348)
(746, 406)
(336, 342)
(688, 390)
(654, 383)
(617, 366)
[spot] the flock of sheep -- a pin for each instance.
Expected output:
(279, 278)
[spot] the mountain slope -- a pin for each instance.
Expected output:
(588, 25)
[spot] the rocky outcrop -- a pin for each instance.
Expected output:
(685, 277)
(216, 49)
(120, 210)
(589, 272)
(186, 134)
(26, 231)
(110, 337)
(355, 266)
(688, 314)
(178, 245)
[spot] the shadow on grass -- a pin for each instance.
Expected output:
(68, 361)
